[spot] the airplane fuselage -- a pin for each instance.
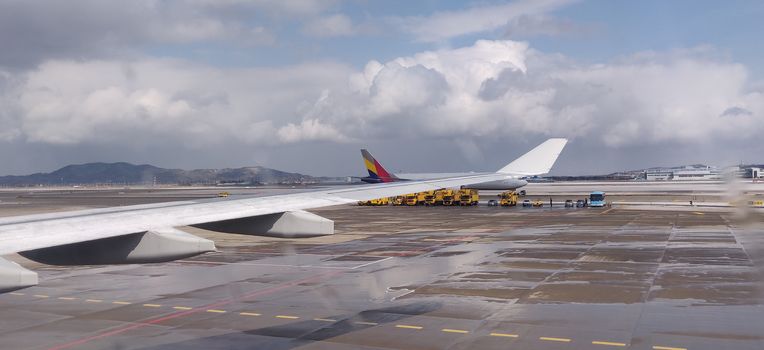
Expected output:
(500, 185)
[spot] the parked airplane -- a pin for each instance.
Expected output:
(527, 165)
(148, 233)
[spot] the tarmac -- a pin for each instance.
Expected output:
(414, 278)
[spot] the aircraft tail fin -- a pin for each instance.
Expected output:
(537, 161)
(375, 169)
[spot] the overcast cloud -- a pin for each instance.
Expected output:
(97, 81)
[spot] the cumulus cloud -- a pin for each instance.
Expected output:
(500, 89)
(445, 25)
(491, 90)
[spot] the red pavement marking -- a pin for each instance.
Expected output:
(157, 320)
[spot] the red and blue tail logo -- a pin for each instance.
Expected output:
(377, 173)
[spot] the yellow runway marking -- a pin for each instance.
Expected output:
(182, 308)
(41, 296)
(93, 300)
(599, 342)
(216, 311)
(16, 293)
(66, 298)
(287, 317)
(504, 335)
(606, 211)
(699, 213)
(249, 314)
(152, 305)
(121, 302)
(460, 331)
(407, 326)
(562, 340)
(324, 319)
(667, 348)
(367, 323)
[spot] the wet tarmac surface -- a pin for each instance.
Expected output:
(422, 278)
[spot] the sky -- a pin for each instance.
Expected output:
(426, 86)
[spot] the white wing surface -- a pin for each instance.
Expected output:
(538, 160)
(22, 233)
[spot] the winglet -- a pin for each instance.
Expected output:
(375, 169)
(538, 160)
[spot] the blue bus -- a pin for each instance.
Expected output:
(597, 199)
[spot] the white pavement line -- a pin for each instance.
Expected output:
(370, 263)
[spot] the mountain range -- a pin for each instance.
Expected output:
(130, 174)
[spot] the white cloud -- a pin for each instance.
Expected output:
(501, 89)
(492, 90)
(330, 26)
(441, 26)
(141, 100)
(34, 32)
(310, 130)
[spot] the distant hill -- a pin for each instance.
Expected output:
(131, 174)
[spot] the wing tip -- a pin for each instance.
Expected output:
(537, 161)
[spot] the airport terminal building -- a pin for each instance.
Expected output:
(686, 173)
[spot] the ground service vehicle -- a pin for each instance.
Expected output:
(363, 203)
(448, 197)
(568, 203)
(399, 200)
(438, 199)
(458, 197)
(493, 203)
(223, 194)
(421, 197)
(580, 203)
(466, 197)
(597, 199)
(411, 199)
(474, 197)
(379, 201)
(526, 203)
(508, 199)
(538, 203)
(429, 198)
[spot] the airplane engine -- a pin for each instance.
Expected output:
(142, 247)
(290, 224)
(13, 276)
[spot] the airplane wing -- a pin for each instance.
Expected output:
(148, 233)
(22, 233)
